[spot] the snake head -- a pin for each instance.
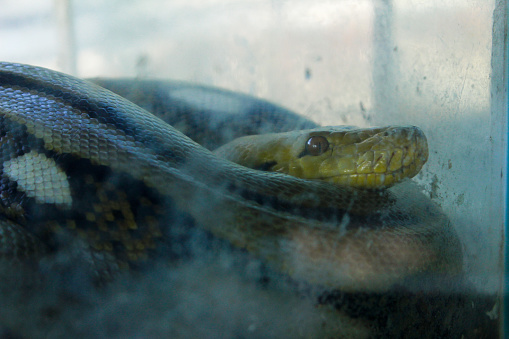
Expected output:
(368, 158)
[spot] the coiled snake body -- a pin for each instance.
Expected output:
(80, 161)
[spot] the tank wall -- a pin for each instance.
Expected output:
(339, 62)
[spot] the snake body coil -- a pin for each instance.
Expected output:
(80, 161)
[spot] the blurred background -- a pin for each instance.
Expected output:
(434, 64)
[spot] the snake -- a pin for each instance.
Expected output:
(83, 163)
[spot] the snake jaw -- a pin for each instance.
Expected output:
(369, 181)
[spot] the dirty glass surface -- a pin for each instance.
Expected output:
(434, 64)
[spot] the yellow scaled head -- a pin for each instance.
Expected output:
(347, 156)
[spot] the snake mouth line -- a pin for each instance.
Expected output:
(372, 180)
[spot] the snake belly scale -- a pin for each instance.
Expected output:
(80, 161)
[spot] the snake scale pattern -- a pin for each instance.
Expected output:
(80, 162)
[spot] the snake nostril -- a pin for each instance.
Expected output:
(316, 145)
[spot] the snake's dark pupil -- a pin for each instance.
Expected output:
(316, 145)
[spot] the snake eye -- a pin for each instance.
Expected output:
(316, 145)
